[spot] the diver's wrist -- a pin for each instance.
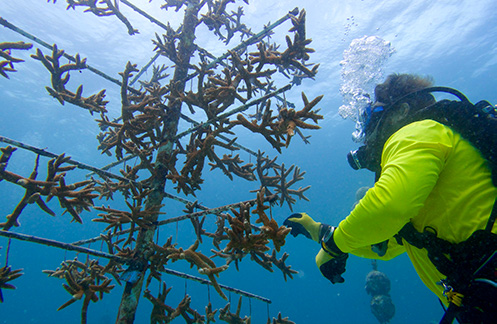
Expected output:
(326, 240)
(325, 233)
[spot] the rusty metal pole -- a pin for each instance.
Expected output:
(186, 48)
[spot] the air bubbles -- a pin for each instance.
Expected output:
(361, 70)
(349, 25)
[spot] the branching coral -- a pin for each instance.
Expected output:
(243, 242)
(204, 264)
(293, 58)
(106, 8)
(217, 19)
(231, 164)
(6, 53)
(147, 128)
(210, 313)
(85, 281)
(265, 167)
(117, 218)
(167, 44)
(226, 315)
(143, 114)
(270, 227)
(280, 320)
(60, 77)
(74, 198)
(201, 146)
(274, 128)
(6, 275)
(158, 258)
(162, 313)
(283, 186)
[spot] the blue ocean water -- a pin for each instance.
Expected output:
(452, 41)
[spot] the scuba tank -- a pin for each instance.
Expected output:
(470, 266)
(477, 123)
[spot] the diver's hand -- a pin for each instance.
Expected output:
(332, 265)
(301, 223)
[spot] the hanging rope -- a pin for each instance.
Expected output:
(72, 247)
(7, 253)
(207, 282)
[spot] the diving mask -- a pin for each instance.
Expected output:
(364, 119)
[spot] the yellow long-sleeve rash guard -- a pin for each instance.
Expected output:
(430, 176)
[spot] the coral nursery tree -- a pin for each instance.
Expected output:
(147, 129)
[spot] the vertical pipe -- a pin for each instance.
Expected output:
(186, 48)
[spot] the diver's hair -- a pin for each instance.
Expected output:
(398, 85)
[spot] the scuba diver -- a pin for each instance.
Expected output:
(434, 197)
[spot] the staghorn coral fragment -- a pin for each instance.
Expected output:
(217, 19)
(60, 77)
(229, 317)
(136, 217)
(201, 146)
(204, 264)
(210, 314)
(82, 281)
(243, 242)
(72, 197)
(6, 275)
(280, 263)
(281, 320)
(6, 52)
(106, 9)
(276, 128)
(161, 313)
(231, 165)
(292, 60)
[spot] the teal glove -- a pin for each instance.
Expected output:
(301, 223)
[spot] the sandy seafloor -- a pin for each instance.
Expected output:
(453, 41)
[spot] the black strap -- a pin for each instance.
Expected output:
(438, 249)
(450, 314)
(492, 218)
